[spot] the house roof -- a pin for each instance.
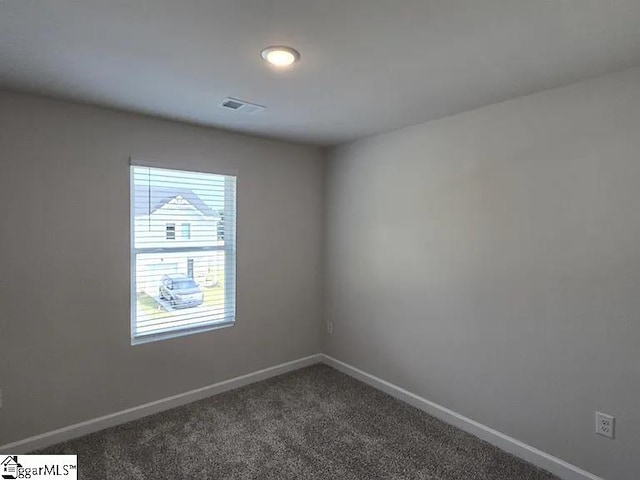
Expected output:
(148, 200)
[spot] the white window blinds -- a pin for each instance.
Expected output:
(182, 283)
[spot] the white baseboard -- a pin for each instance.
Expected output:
(528, 453)
(113, 419)
(515, 447)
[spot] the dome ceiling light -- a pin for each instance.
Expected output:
(280, 56)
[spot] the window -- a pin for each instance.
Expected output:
(190, 267)
(171, 231)
(186, 231)
(186, 285)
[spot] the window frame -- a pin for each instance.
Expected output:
(230, 248)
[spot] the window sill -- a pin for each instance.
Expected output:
(155, 337)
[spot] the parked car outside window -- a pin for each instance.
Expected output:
(180, 291)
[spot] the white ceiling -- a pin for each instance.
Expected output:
(367, 66)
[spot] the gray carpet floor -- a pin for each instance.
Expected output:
(314, 423)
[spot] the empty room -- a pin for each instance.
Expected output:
(320, 239)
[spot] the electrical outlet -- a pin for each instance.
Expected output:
(605, 425)
(330, 328)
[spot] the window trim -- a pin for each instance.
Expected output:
(230, 280)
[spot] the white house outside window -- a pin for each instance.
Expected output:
(181, 283)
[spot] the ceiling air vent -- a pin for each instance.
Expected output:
(241, 106)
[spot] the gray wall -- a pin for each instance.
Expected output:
(490, 262)
(65, 353)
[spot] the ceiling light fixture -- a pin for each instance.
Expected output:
(280, 56)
